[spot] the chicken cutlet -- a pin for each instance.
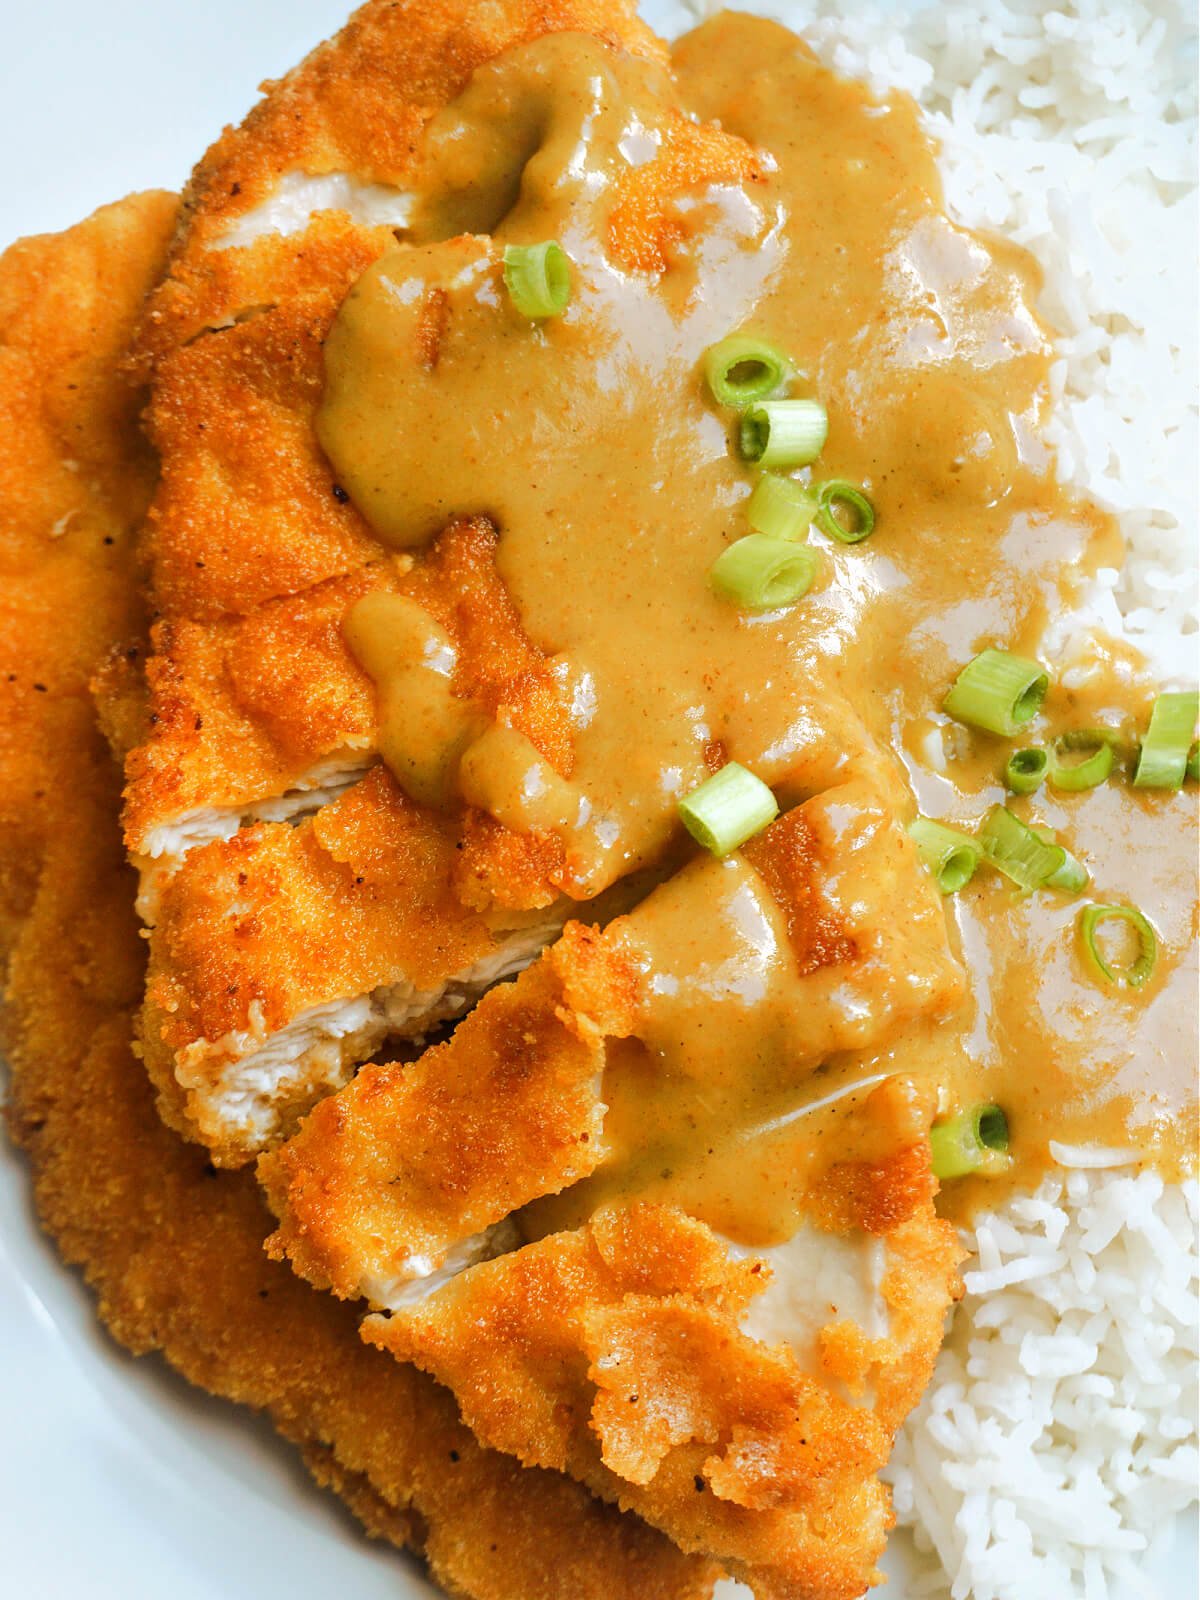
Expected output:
(265, 720)
(563, 441)
(171, 1247)
(584, 1067)
(624, 1343)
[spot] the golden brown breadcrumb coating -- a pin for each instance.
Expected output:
(171, 1247)
(246, 511)
(407, 1161)
(615, 1353)
(255, 554)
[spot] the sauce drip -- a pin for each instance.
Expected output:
(591, 442)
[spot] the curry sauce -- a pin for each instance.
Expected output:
(807, 212)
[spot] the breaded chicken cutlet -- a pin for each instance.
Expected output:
(639, 1351)
(171, 1247)
(260, 714)
(257, 804)
(319, 885)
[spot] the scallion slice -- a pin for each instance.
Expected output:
(760, 574)
(975, 1141)
(538, 278)
(997, 691)
(840, 496)
(780, 507)
(1025, 769)
(1017, 851)
(1092, 770)
(1071, 877)
(783, 433)
(727, 809)
(1131, 973)
(950, 856)
(1193, 762)
(1164, 754)
(742, 370)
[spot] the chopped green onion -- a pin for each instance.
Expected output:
(1132, 973)
(1164, 755)
(538, 278)
(1193, 762)
(727, 809)
(836, 494)
(780, 507)
(975, 1141)
(760, 574)
(949, 855)
(997, 691)
(1071, 877)
(1017, 851)
(783, 433)
(1085, 774)
(741, 370)
(1025, 769)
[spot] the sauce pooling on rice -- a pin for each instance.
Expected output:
(806, 214)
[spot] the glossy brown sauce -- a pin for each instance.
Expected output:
(592, 443)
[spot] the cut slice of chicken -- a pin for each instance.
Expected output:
(699, 1016)
(282, 215)
(629, 1353)
(285, 956)
(269, 716)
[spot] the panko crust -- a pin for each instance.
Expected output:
(173, 1249)
(254, 930)
(355, 104)
(407, 1161)
(232, 337)
(421, 1156)
(246, 509)
(615, 1353)
(245, 706)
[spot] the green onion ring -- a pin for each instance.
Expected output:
(1071, 877)
(1025, 769)
(727, 809)
(838, 492)
(783, 433)
(1193, 763)
(761, 574)
(764, 370)
(538, 278)
(1018, 851)
(951, 857)
(1073, 776)
(780, 507)
(998, 692)
(975, 1141)
(1141, 968)
(1163, 760)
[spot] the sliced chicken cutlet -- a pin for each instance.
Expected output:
(718, 1282)
(172, 1249)
(642, 1355)
(261, 715)
(285, 954)
(808, 946)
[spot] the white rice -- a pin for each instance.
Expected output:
(1058, 1441)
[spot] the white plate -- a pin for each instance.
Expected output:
(116, 1479)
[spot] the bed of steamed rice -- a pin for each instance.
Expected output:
(1057, 1442)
